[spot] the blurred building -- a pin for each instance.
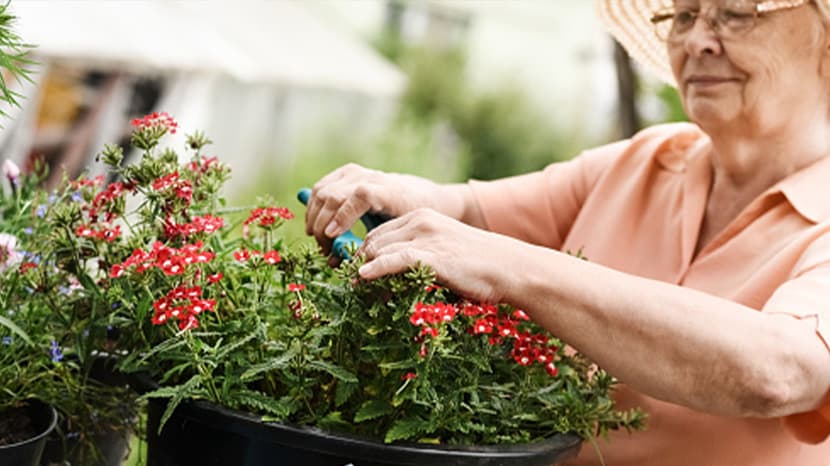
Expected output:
(556, 50)
(255, 75)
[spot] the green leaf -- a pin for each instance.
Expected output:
(404, 429)
(344, 391)
(265, 403)
(230, 348)
(372, 409)
(267, 366)
(15, 329)
(336, 371)
(176, 394)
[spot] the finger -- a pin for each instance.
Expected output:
(392, 232)
(388, 264)
(361, 201)
(324, 216)
(317, 198)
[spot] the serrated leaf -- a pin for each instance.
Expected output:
(176, 394)
(372, 409)
(267, 366)
(336, 371)
(227, 349)
(262, 402)
(344, 391)
(404, 429)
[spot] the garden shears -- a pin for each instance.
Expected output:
(348, 240)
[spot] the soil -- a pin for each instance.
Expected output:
(15, 426)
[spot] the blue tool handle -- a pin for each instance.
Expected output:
(347, 240)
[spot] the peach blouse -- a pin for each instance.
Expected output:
(637, 206)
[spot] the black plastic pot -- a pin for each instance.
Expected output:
(111, 444)
(28, 453)
(113, 447)
(200, 433)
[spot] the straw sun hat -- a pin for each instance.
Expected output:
(629, 21)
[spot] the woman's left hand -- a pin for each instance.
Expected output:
(473, 262)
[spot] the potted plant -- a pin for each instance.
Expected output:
(252, 346)
(45, 341)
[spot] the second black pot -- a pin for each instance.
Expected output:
(200, 433)
(28, 452)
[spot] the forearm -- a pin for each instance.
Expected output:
(673, 343)
(457, 201)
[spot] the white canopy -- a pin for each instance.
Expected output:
(253, 41)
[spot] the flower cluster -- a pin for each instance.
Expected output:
(183, 304)
(265, 218)
(172, 261)
(528, 347)
(156, 120)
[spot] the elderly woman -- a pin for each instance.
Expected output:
(707, 286)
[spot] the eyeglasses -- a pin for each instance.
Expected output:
(730, 18)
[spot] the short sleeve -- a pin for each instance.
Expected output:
(540, 207)
(807, 296)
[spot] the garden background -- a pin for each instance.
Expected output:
(291, 89)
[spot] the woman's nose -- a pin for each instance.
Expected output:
(702, 39)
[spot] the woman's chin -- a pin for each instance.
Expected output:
(710, 116)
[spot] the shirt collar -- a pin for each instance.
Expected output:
(808, 190)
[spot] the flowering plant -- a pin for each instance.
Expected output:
(214, 304)
(49, 336)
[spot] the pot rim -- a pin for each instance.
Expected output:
(52, 423)
(369, 446)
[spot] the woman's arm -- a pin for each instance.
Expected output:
(672, 343)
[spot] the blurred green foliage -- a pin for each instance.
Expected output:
(443, 130)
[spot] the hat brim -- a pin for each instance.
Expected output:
(629, 21)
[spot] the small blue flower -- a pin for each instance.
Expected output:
(41, 211)
(7, 341)
(115, 305)
(64, 290)
(55, 351)
(77, 197)
(29, 290)
(85, 333)
(28, 230)
(52, 198)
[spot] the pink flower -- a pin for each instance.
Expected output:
(9, 255)
(11, 171)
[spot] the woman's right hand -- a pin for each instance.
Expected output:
(340, 198)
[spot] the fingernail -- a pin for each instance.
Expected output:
(331, 229)
(364, 270)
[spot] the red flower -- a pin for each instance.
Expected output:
(551, 369)
(116, 271)
(482, 326)
(156, 120)
(409, 376)
(272, 257)
(430, 331)
(85, 231)
(243, 255)
(109, 234)
(215, 277)
(296, 287)
(521, 315)
(189, 323)
(26, 266)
